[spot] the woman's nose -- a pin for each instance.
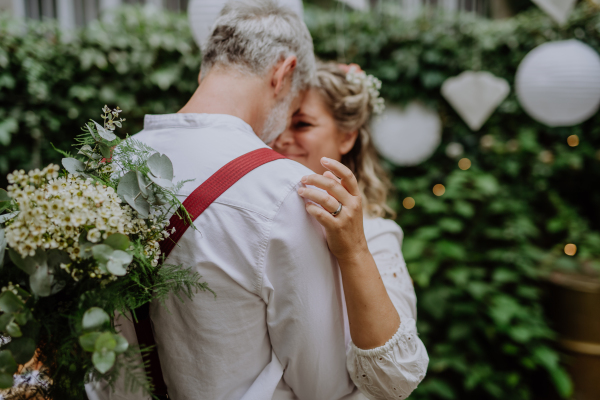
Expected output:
(285, 139)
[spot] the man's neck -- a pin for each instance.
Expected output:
(229, 92)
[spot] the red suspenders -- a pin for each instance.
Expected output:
(195, 204)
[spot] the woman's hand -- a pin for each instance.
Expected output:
(345, 231)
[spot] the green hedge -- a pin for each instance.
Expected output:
(476, 253)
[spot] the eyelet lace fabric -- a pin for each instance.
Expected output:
(393, 370)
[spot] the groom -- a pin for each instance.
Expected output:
(276, 327)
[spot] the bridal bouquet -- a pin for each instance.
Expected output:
(76, 248)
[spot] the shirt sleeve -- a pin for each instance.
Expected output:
(395, 369)
(302, 289)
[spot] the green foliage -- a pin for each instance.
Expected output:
(476, 254)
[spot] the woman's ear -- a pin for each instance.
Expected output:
(347, 142)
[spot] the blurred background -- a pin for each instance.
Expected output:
(491, 134)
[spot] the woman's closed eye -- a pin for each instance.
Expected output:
(302, 124)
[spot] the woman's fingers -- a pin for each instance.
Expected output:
(346, 176)
(322, 216)
(320, 197)
(330, 175)
(331, 186)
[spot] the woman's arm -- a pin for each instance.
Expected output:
(372, 316)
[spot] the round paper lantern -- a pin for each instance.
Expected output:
(558, 83)
(203, 13)
(407, 136)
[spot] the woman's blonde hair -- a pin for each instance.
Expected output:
(351, 107)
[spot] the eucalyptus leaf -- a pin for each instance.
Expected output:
(94, 318)
(128, 185)
(6, 319)
(22, 349)
(164, 183)
(116, 268)
(89, 128)
(21, 317)
(160, 166)
(122, 344)
(103, 361)
(105, 133)
(143, 184)
(10, 303)
(139, 204)
(105, 150)
(56, 257)
(118, 241)
(28, 264)
(4, 196)
(6, 380)
(7, 362)
(13, 330)
(74, 166)
(41, 281)
(105, 342)
(88, 341)
(7, 217)
(102, 252)
(3, 245)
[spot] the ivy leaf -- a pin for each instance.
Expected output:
(13, 330)
(88, 341)
(22, 349)
(103, 361)
(10, 303)
(118, 241)
(73, 166)
(122, 344)
(94, 318)
(105, 133)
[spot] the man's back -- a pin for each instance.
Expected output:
(278, 301)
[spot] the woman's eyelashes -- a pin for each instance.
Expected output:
(302, 124)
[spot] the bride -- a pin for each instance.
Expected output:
(329, 134)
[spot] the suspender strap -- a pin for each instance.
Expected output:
(195, 204)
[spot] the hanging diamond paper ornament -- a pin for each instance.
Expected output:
(558, 83)
(407, 136)
(203, 13)
(475, 96)
(559, 10)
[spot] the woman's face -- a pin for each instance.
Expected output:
(313, 134)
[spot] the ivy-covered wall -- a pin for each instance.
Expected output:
(477, 254)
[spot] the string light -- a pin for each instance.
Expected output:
(573, 140)
(570, 249)
(464, 164)
(408, 203)
(439, 189)
(546, 157)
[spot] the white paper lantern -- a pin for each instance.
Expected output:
(558, 83)
(203, 13)
(559, 10)
(475, 96)
(407, 136)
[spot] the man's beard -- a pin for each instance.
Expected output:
(277, 120)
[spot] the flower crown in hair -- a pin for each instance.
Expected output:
(355, 75)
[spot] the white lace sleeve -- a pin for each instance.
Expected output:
(393, 370)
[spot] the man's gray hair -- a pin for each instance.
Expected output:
(254, 35)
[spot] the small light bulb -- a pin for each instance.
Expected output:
(464, 164)
(573, 140)
(570, 249)
(408, 203)
(439, 189)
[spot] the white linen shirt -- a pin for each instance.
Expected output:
(276, 327)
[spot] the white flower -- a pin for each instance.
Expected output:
(94, 235)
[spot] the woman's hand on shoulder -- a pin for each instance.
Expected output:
(345, 231)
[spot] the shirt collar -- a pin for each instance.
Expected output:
(154, 122)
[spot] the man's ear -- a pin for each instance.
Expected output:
(282, 71)
(347, 142)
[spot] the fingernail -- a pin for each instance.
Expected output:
(300, 191)
(304, 178)
(325, 160)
